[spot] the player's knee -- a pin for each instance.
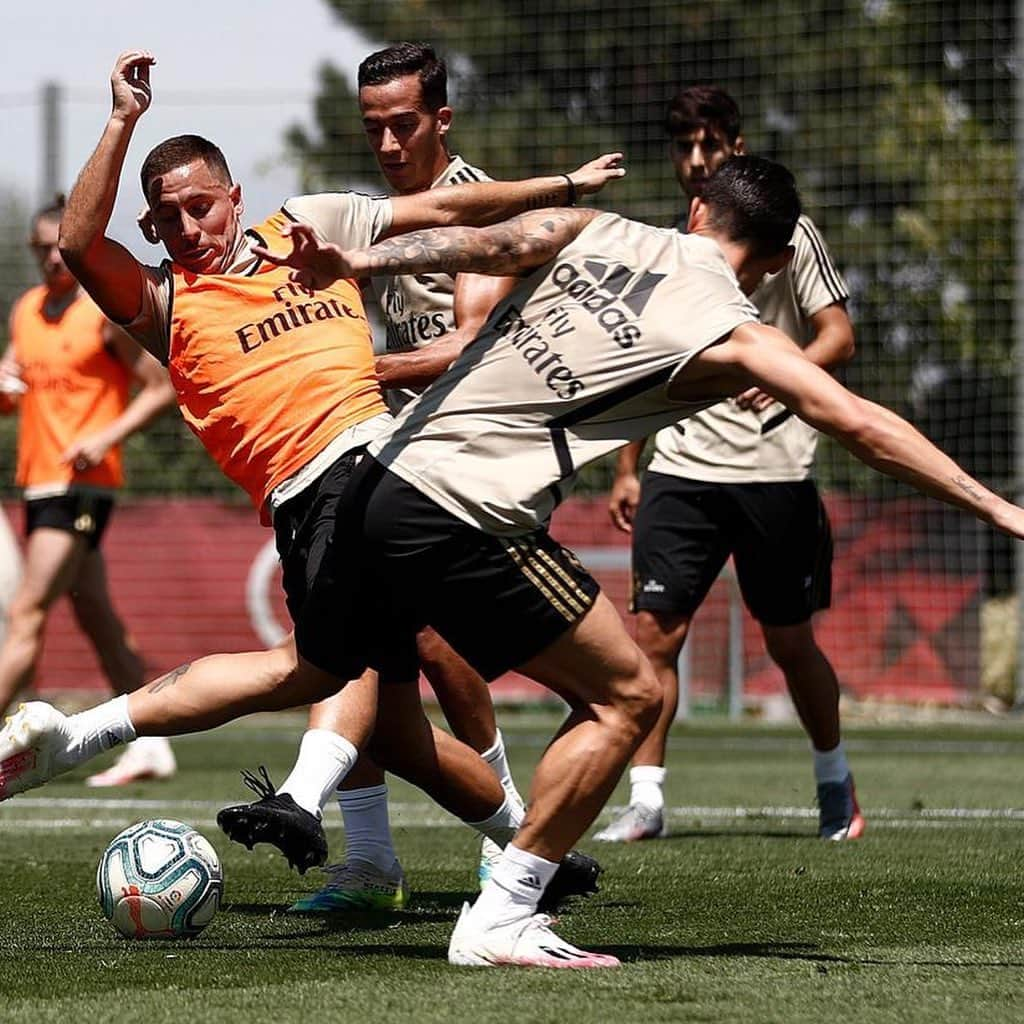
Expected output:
(25, 621)
(640, 697)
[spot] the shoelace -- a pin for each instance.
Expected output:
(261, 786)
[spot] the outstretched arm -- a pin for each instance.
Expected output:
(504, 249)
(488, 202)
(108, 271)
(762, 356)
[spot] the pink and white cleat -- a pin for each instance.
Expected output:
(34, 747)
(528, 942)
(148, 757)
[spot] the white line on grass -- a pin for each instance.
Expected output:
(417, 815)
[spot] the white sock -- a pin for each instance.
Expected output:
(646, 781)
(325, 758)
(367, 830)
(830, 765)
(518, 882)
(503, 824)
(98, 729)
(494, 755)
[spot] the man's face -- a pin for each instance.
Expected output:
(196, 215)
(697, 155)
(406, 138)
(43, 243)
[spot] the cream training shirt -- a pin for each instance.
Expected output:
(726, 444)
(420, 308)
(575, 362)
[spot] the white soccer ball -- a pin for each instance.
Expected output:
(159, 880)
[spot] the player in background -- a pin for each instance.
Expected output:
(280, 388)
(583, 356)
(68, 373)
(403, 99)
(736, 480)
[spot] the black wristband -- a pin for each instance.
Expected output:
(571, 193)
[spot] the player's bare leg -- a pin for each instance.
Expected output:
(52, 562)
(39, 742)
(95, 614)
(615, 699)
(149, 757)
(814, 689)
(660, 635)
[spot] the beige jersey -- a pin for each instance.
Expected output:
(420, 308)
(575, 362)
(726, 444)
(348, 219)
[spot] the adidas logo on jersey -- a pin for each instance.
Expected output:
(614, 295)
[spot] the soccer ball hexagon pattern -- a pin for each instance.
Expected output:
(159, 880)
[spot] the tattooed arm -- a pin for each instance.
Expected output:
(504, 249)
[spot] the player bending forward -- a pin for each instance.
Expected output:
(585, 355)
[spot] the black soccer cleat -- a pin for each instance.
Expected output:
(576, 876)
(276, 819)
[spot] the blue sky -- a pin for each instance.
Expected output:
(234, 77)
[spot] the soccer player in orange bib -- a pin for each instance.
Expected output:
(279, 384)
(68, 373)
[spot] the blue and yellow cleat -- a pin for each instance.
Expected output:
(356, 885)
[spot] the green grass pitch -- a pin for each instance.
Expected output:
(740, 915)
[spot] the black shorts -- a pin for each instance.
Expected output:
(777, 533)
(304, 528)
(400, 562)
(82, 513)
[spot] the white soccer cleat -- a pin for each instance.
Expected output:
(34, 747)
(149, 757)
(528, 942)
(634, 823)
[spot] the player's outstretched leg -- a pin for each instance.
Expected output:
(38, 743)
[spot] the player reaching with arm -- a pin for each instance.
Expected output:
(280, 388)
(68, 371)
(736, 479)
(619, 329)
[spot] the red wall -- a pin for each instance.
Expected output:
(903, 623)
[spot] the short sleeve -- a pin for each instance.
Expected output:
(348, 219)
(816, 281)
(152, 327)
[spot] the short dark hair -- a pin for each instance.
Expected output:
(754, 201)
(55, 211)
(703, 106)
(181, 150)
(408, 59)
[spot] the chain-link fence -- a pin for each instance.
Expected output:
(897, 118)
